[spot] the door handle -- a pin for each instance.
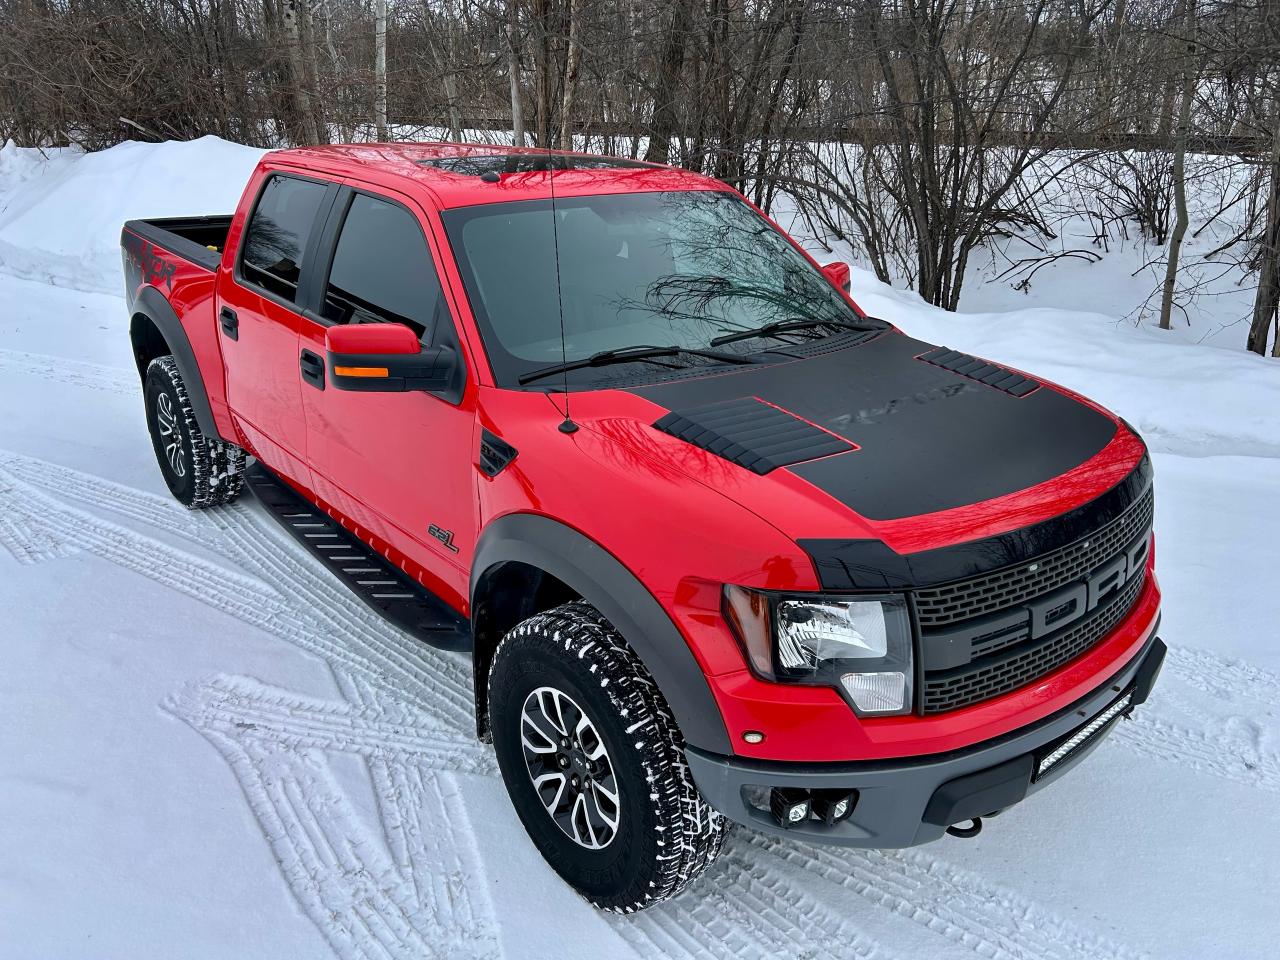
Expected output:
(312, 365)
(230, 323)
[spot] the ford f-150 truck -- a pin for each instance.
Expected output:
(719, 545)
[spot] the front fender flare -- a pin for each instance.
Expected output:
(152, 305)
(601, 579)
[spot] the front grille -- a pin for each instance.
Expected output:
(995, 675)
(965, 599)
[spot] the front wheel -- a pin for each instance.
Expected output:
(594, 762)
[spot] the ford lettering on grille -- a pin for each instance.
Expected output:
(974, 658)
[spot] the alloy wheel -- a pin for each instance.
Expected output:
(170, 436)
(570, 767)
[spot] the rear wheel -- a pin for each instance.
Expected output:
(594, 762)
(198, 471)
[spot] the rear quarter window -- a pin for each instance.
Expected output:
(271, 256)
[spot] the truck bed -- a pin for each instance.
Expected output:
(198, 239)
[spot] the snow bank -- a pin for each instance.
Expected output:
(61, 211)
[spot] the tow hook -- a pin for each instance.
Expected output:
(974, 828)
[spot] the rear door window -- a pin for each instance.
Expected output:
(277, 234)
(383, 271)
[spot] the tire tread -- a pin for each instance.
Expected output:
(217, 467)
(697, 830)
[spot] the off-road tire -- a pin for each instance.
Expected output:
(667, 834)
(199, 472)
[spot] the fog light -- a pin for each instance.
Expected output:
(876, 692)
(832, 806)
(789, 807)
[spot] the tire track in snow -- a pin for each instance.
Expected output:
(342, 876)
(1222, 677)
(742, 910)
(27, 539)
(232, 593)
(345, 633)
(78, 373)
(1230, 747)
(228, 703)
(371, 893)
(322, 616)
(961, 906)
(66, 483)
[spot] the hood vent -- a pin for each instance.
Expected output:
(752, 434)
(993, 375)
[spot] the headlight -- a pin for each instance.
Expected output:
(859, 645)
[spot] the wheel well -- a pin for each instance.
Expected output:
(148, 342)
(506, 594)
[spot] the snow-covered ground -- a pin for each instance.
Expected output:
(208, 749)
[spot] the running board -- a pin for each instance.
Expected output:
(375, 580)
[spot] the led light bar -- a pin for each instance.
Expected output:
(1082, 735)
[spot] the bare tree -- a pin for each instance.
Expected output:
(572, 58)
(1266, 316)
(919, 131)
(1189, 73)
(380, 68)
(301, 89)
(513, 71)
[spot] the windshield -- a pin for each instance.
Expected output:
(655, 269)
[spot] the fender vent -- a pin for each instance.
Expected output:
(752, 434)
(495, 454)
(983, 371)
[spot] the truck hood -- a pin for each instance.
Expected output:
(890, 427)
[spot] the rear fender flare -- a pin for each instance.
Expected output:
(600, 579)
(152, 305)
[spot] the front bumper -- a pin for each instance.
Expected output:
(908, 802)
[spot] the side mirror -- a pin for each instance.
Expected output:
(387, 358)
(838, 274)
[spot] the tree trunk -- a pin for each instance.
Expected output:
(571, 59)
(345, 130)
(1165, 121)
(670, 66)
(513, 71)
(455, 117)
(312, 69)
(380, 68)
(1266, 303)
(1179, 172)
(298, 72)
(542, 71)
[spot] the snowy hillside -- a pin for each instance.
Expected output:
(209, 750)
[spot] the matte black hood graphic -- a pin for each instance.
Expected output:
(929, 438)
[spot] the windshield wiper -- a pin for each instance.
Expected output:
(786, 326)
(642, 353)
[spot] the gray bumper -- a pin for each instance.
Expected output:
(904, 803)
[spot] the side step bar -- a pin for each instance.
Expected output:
(372, 578)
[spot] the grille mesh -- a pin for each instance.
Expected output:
(964, 599)
(981, 681)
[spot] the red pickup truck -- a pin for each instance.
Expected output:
(721, 546)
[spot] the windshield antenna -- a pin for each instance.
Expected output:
(567, 425)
